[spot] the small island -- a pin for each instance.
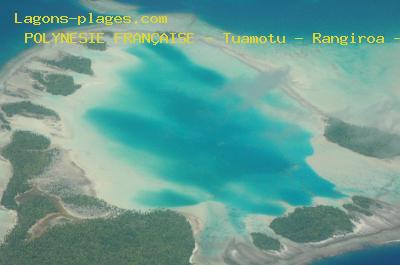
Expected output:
(362, 205)
(28, 109)
(313, 224)
(264, 242)
(55, 84)
(71, 62)
(363, 140)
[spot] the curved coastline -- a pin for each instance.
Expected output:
(381, 236)
(371, 232)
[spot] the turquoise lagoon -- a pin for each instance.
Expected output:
(179, 121)
(205, 139)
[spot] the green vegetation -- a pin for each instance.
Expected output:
(312, 224)
(56, 84)
(40, 78)
(29, 156)
(265, 242)
(27, 108)
(159, 237)
(4, 124)
(96, 46)
(31, 208)
(2, 119)
(365, 203)
(84, 200)
(74, 63)
(27, 140)
(364, 140)
(362, 205)
(354, 208)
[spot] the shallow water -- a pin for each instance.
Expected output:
(208, 144)
(206, 141)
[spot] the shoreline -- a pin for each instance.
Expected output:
(21, 59)
(14, 64)
(358, 243)
(307, 253)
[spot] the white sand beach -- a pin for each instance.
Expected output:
(302, 81)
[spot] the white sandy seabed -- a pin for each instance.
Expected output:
(314, 81)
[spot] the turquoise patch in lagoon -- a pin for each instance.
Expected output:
(206, 140)
(166, 198)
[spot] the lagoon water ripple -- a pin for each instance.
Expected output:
(206, 140)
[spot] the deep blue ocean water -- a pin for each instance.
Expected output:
(12, 35)
(384, 255)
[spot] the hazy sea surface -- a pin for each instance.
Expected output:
(292, 17)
